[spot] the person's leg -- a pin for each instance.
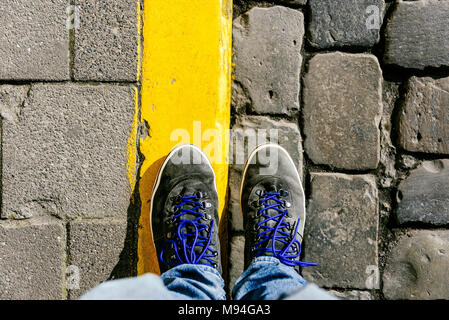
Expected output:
(197, 282)
(146, 287)
(184, 222)
(272, 201)
(269, 279)
(308, 292)
(184, 282)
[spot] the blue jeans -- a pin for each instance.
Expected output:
(266, 279)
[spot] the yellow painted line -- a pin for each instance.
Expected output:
(131, 151)
(131, 147)
(186, 77)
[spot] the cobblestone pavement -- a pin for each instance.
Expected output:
(358, 91)
(362, 87)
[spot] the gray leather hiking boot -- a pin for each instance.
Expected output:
(272, 201)
(184, 210)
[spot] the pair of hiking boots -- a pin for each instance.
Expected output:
(184, 208)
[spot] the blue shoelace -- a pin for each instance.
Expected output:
(184, 242)
(291, 246)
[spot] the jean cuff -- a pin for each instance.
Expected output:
(266, 259)
(173, 272)
(199, 267)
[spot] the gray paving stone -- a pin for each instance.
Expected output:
(233, 207)
(250, 131)
(236, 263)
(66, 153)
(241, 6)
(31, 260)
(407, 161)
(342, 110)
(247, 133)
(352, 295)
(341, 231)
(417, 35)
(34, 40)
(267, 44)
(424, 195)
(342, 23)
(297, 2)
(95, 248)
(387, 159)
(424, 116)
(11, 98)
(106, 42)
(417, 266)
(240, 101)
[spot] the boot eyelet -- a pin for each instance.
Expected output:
(199, 194)
(171, 220)
(206, 205)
